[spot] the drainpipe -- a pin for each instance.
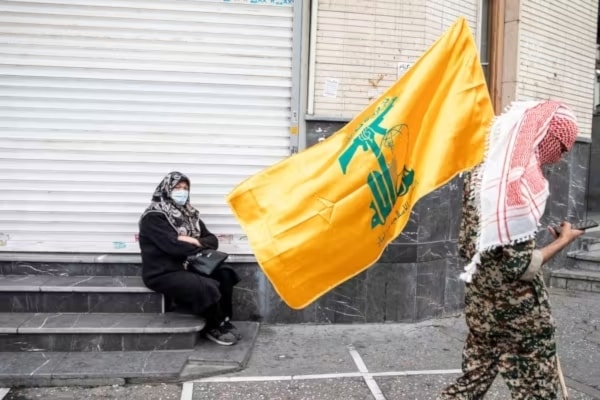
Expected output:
(312, 57)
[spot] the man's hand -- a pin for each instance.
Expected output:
(567, 233)
(189, 239)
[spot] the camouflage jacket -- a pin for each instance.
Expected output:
(498, 301)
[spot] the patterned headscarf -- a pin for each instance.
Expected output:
(184, 219)
(509, 188)
(562, 133)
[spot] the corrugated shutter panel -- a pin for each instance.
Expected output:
(99, 99)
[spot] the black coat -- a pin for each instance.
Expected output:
(162, 263)
(161, 251)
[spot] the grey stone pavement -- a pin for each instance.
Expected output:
(374, 361)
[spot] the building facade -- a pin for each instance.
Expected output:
(100, 98)
(529, 50)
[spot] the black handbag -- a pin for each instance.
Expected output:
(206, 261)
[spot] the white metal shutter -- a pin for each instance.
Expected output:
(99, 99)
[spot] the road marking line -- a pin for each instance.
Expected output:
(4, 392)
(232, 379)
(422, 372)
(187, 391)
(371, 383)
(275, 378)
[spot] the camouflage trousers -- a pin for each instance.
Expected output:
(527, 365)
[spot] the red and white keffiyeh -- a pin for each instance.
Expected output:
(509, 187)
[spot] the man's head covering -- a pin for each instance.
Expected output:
(560, 137)
(509, 187)
(184, 219)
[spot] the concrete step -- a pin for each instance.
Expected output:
(31, 368)
(83, 294)
(80, 332)
(70, 264)
(587, 260)
(588, 281)
(62, 264)
(590, 241)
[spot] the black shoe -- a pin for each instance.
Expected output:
(229, 327)
(221, 336)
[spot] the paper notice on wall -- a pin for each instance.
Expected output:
(331, 87)
(402, 68)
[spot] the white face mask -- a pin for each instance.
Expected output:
(180, 196)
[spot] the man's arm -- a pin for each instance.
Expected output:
(543, 255)
(566, 237)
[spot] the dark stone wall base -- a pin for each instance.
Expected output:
(394, 292)
(594, 171)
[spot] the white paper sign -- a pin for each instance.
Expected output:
(331, 87)
(402, 68)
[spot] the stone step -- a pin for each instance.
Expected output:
(588, 281)
(590, 241)
(78, 294)
(70, 264)
(587, 260)
(31, 368)
(61, 264)
(81, 332)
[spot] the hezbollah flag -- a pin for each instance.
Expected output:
(324, 215)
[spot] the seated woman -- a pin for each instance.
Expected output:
(170, 231)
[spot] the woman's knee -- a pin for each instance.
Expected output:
(224, 276)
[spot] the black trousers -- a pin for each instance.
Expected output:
(222, 309)
(207, 296)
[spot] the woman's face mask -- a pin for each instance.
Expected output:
(180, 196)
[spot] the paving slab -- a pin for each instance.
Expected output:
(238, 354)
(302, 349)
(328, 389)
(411, 347)
(116, 392)
(428, 387)
(577, 316)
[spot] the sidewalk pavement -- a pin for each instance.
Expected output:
(374, 361)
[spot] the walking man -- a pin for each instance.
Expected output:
(511, 329)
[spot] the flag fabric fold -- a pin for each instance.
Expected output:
(324, 215)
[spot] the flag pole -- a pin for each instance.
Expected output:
(561, 378)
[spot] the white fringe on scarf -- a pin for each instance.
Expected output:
(499, 137)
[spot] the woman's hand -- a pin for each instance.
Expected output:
(190, 240)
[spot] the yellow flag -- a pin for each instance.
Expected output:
(324, 215)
